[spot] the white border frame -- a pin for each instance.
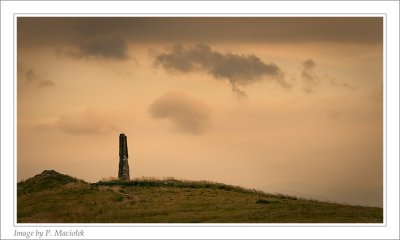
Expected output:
(388, 9)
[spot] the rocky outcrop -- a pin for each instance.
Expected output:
(123, 170)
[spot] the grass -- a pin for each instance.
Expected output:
(172, 201)
(46, 180)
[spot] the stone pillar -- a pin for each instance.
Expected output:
(123, 171)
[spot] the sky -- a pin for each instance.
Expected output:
(290, 105)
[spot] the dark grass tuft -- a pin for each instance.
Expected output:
(170, 182)
(263, 201)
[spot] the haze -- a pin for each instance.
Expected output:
(280, 104)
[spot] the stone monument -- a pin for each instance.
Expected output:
(123, 171)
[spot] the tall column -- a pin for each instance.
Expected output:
(123, 170)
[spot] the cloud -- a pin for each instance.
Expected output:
(31, 76)
(187, 114)
(89, 122)
(239, 70)
(34, 78)
(103, 46)
(45, 83)
(64, 30)
(343, 84)
(310, 79)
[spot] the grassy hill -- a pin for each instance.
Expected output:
(51, 197)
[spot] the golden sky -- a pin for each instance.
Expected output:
(288, 105)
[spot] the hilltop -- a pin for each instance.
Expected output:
(52, 197)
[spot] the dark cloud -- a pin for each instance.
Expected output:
(31, 76)
(89, 122)
(64, 30)
(309, 78)
(35, 79)
(104, 46)
(346, 85)
(240, 70)
(187, 114)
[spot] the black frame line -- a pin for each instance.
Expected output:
(90, 225)
(203, 0)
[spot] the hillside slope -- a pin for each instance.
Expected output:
(51, 197)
